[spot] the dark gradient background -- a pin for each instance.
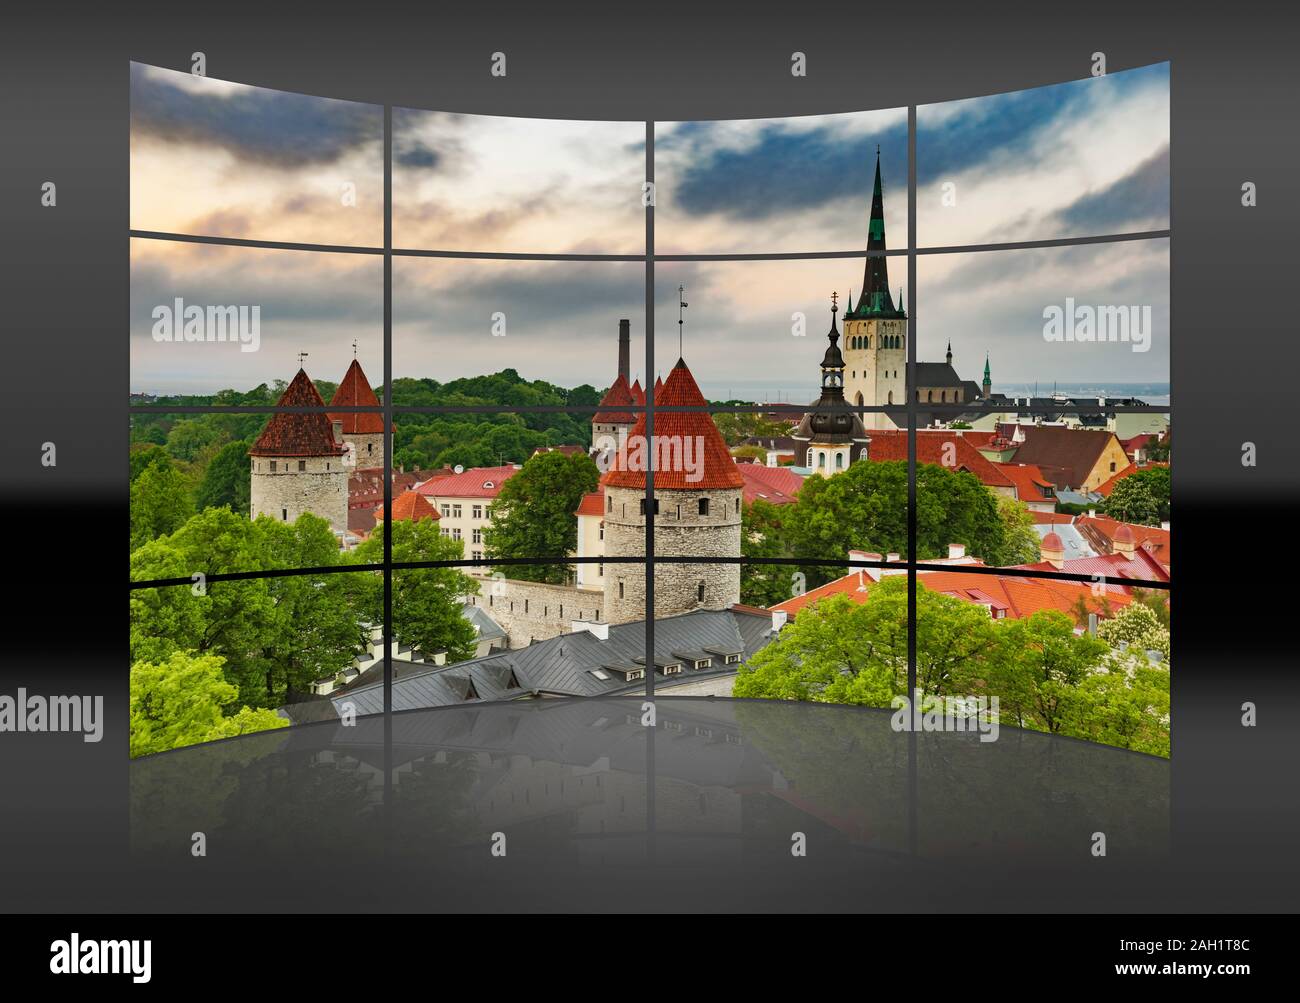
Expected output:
(1235, 817)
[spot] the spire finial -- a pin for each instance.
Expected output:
(354, 348)
(301, 356)
(681, 306)
(835, 302)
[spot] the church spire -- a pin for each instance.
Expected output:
(950, 351)
(988, 378)
(875, 300)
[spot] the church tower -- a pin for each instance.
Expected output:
(696, 513)
(875, 330)
(363, 433)
(831, 435)
(298, 462)
(987, 385)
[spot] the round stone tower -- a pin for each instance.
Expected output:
(697, 492)
(298, 462)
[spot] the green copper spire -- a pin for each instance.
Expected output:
(987, 378)
(875, 300)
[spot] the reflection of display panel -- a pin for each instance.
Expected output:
(800, 447)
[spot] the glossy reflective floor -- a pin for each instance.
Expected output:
(596, 812)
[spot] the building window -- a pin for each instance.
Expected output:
(302, 465)
(273, 463)
(455, 534)
(478, 512)
(602, 529)
(476, 536)
(839, 461)
(620, 588)
(284, 515)
(699, 592)
(704, 506)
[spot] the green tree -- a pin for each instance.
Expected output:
(1139, 625)
(761, 536)
(181, 701)
(160, 503)
(144, 457)
(1125, 705)
(534, 513)
(226, 479)
(1141, 497)
(427, 602)
(1019, 541)
(1043, 662)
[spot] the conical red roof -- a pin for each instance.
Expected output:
(638, 395)
(410, 505)
(355, 391)
(612, 405)
(719, 469)
(298, 434)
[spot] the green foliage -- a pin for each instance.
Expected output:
(1139, 625)
(180, 700)
(426, 601)
(736, 427)
(533, 515)
(226, 481)
(145, 456)
(160, 502)
(1141, 497)
(1020, 544)
(1046, 677)
(760, 536)
(865, 508)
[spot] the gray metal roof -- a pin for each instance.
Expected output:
(562, 666)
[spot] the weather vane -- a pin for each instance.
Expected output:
(301, 356)
(681, 305)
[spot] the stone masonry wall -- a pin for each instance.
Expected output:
(321, 489)
(680, 531)
(532, 611)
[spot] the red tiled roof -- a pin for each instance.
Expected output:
(477, 482)
(638, 394)
(298, 434)
(1029, 481)
(1101, 532)
(1052, 518)
(592, 503)
(355, 391)
(891, 444)
(1144, 566)
(1018, 597)
(569, 450)
(366, 487)
(410, 505)
(612, 405)
(719, 469)
(774, 485)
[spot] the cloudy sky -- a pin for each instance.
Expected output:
(210, 157)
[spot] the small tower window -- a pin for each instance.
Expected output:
(699, 592)
(620, 588)
(302, 465)
(273, 463)
(704, 506)
(839, 461)
(284, 515)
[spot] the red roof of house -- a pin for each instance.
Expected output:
(355, 391)
(410, 505)
(1068, 455)
(477, 482)
(638, 394)
(1030, 482)
(1144, 566)
(612, 406)
(1052, 518)
(891, 444)
(1018, 597)
(569, 450)
(592, 503)
(1102, 532)
(298, 434)
(774, 485)
(696, 427)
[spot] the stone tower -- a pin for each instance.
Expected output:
(362, 432)
(697, 491)
(298, 462)
(830, 435)
(875, 331)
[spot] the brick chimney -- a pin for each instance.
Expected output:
(624, 348)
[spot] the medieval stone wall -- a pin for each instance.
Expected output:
(680, 531)
(321, 488)
(533, 611)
